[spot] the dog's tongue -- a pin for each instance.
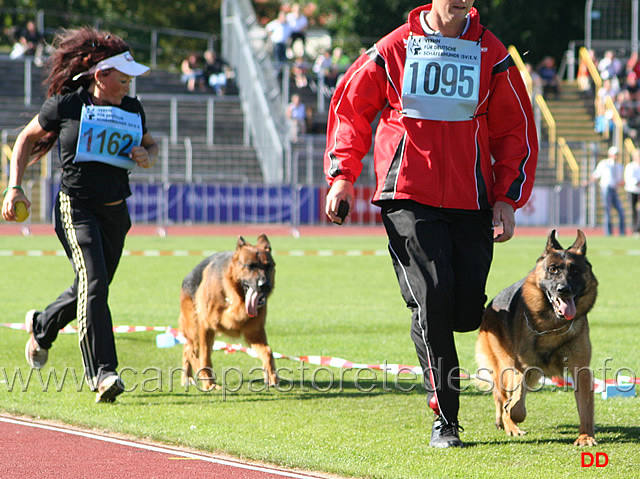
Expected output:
(568, 309)
(251, 302)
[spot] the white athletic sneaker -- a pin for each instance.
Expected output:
(35, 355)
(109, 388)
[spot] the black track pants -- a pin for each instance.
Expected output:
(93, 238)
(442, 259)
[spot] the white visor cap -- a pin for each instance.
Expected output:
(123, 62)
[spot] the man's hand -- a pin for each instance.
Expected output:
(341, 190)
(504, 215)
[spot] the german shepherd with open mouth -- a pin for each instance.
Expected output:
(227, 293)
(539, 326)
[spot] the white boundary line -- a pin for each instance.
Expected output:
(148, 447)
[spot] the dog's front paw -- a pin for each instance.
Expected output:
(212, 387)
(585, 440)
(513, 430)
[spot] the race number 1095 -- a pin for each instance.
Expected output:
(448, 80)
(109, 142)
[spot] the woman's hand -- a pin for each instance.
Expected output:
(141, 156)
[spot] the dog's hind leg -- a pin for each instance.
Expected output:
(258, 342)
(187, 361)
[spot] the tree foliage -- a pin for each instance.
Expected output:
(539, 28)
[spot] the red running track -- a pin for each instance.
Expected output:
(250, 230)
(40, 450)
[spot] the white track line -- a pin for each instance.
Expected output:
(148, 447)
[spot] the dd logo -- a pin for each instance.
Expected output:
(599, 460)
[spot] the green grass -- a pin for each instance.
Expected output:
(343, 306)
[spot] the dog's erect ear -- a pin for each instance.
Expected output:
(241, 242)
(552, 243)
(580, 245)
(263, 243)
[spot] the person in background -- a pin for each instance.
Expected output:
(609, 175)
(297, 116)
(633, 65)
(325, 73)
(215, 72)
(299, 71)
(451, 165)
(89, 75)
(632, 187)
(279, 32)
(298, 23)
(28, 41)
(612, 65)
(33, 42)
(548, 74)
(191, 68)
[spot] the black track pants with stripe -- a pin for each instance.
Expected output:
(93, 238)
(442, 259)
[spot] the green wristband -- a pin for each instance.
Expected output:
(10, 187)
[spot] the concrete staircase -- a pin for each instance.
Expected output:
(574, 116)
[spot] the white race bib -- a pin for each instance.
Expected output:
(441, 78)
(107, 135)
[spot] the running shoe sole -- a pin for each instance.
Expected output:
(36, 356)
(109, 389)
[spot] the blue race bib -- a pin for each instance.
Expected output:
(107, 134)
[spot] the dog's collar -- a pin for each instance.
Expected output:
(549, 331)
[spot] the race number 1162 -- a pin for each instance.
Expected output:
(108, 142)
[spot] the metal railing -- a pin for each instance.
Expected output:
(175, 100)
(591, 67)
(259, 90)
(539, 103)
(560, 154)
(551, 127)
(565, 155)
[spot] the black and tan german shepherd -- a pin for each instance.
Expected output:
(227, 293)
(539, 326)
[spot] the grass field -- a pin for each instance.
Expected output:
(356, 424)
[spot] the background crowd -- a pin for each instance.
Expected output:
(313, 69)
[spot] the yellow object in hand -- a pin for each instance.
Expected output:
(22, 213)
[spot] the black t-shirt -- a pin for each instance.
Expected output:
(91, 181)
(216, 67)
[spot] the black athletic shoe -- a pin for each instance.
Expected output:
(445, 434)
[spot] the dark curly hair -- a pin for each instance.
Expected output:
(76, 51)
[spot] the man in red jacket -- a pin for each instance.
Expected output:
(455, 154)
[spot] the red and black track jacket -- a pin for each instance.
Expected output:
(463, 164)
